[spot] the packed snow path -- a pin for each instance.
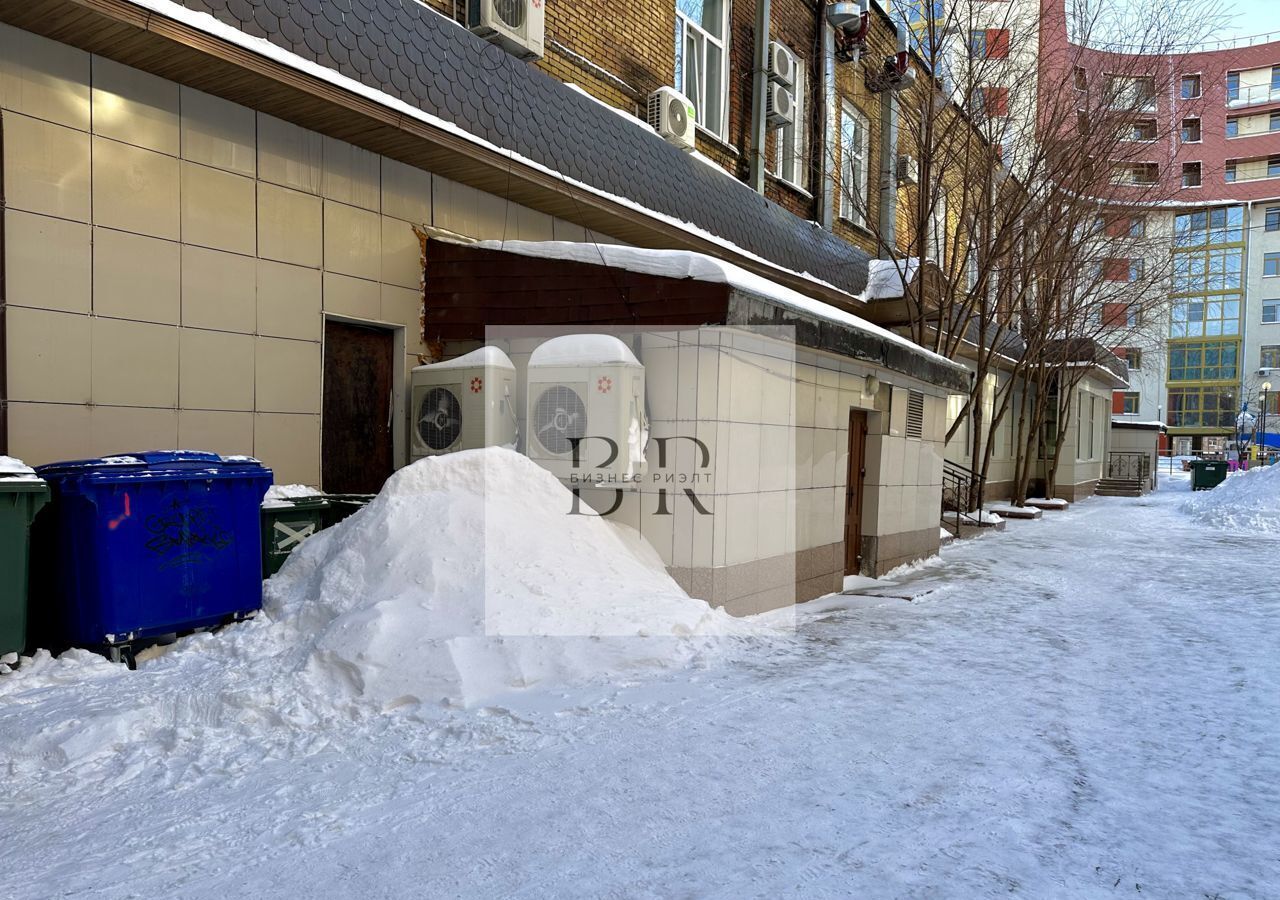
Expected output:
(1085, 706)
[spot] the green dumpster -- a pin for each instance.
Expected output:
(1207, 474)
(286, 523)
(21, 497)
(343, 505)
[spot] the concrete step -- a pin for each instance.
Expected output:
(1016, 512)
(1117, 491)
(1054, 505)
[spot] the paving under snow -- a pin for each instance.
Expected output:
(1087, 705)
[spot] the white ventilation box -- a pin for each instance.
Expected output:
(464, 404)
(587, 389)
(780, 105)
(782, 64)
(908, 170)
(672, 116)
(517, 25)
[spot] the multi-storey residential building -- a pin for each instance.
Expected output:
(1214, 148)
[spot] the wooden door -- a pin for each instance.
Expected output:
(356, 447)
(853, 492)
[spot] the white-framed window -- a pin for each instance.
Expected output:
(855, 157)
(936, 248)
(702, 60)
(1270, 312)
(791, 142)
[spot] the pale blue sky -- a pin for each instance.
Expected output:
(1252, 17)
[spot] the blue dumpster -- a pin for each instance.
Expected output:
(147, 544)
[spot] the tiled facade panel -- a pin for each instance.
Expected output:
(170, 258)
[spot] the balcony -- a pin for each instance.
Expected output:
(1252, 95)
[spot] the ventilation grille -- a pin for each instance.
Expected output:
(439, 419)
(915, 414)
(559, 417)
(511, 12)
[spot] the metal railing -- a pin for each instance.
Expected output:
(1252, 95)
(1123, 466)
(962, 491)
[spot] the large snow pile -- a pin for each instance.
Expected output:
(1246, 501)
(467, 578)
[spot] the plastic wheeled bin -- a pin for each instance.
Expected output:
(1207, 474)
(148, 544)
(22, 495)
(286, 523)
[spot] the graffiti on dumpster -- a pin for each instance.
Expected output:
(185, 534)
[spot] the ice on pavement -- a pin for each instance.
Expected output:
(1084, 707)
(1245, 501)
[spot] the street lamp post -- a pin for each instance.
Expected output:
(1262, 435)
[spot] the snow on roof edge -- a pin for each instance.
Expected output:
(701, 267)
(263, 47)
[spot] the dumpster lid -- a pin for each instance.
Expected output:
(12, 469)
(148, 461)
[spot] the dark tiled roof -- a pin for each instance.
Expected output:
(410, 52)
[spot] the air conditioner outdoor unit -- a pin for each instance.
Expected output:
(1265, 370)
(587, 390)
(782, 64)
(671, 115)
(779, 106)
(517, 25)
(464, 404)
(908, 170)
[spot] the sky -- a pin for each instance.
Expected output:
(1251, 17)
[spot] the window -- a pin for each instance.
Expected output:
(1233, 127)
(1270, 265)
(1118, 315)
(702, 60)
(1190, 87)
(1203, 361)
(1273, 218)
(1131, 402)
(1080, 78)
(1233, 86)
(1273, 122)
(1229, 172)
(1190, 131)
(1221, 225)
(1205, 317)
(978, 43)
(1132, 357)
(1191, 175)
(1273, 166)
(1143, 130)
(937, 236)
(855, 148)
(1271, 312)
(1137, 226)
(1275, 78)
(1125, 270)
(1271, 357)
(1138, 174)
(791, 142)
(1197, 407)
(995, 101)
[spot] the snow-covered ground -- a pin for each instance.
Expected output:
(1085, 705)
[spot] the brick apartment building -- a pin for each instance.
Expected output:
(217, 211)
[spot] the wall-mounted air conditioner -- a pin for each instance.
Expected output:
(672, 116)
(464, 404)
(782, 64)
(586, 390)
(780, 105)
(517, 25)
(908, 170)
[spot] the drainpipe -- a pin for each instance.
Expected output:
(888, 171)
(830, 109)
(759, 80)
(1243, 356)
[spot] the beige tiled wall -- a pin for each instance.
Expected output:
(170, 258)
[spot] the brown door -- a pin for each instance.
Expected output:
(356, 447)
(853, 492)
